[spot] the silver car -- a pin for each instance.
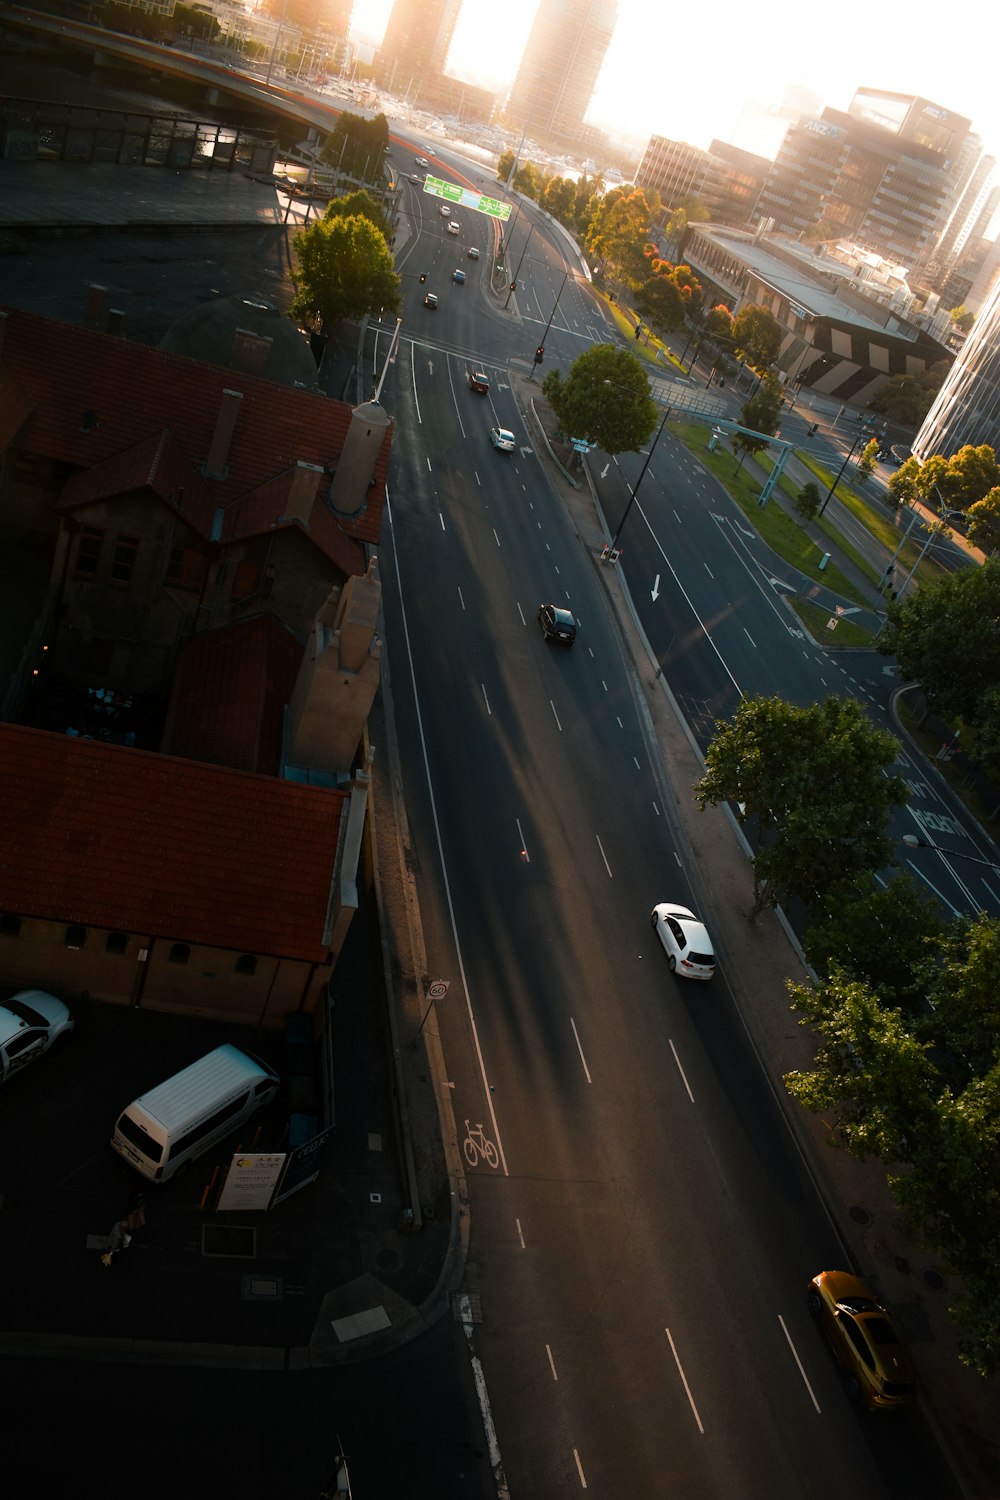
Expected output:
(31, 1023)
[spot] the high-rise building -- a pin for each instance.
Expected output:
(725, 180)
(967, 407)
(560, 67)
(885, 174)
(416, 41)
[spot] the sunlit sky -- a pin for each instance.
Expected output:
(686, 72)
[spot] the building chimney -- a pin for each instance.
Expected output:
(225, 422)
(95, 312)
(302, 493)
(116, 321)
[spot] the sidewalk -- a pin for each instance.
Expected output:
(758, 961)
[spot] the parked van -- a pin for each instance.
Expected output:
(164, 1130)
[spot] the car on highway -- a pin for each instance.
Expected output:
(875, 1366)
(422, 161)
(479, 383)
(557, 624)
(685, 941)
(31, 1022)
(445, 211)
(413, 177)
(454, 228)
(431, 301)
(472, 253)
(502, 438)
(458, 276)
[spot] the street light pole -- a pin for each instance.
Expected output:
(913, 841)
(633, 492)
(513, 279)
(840, 472)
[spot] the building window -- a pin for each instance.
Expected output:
(116, 942)
(76, 937)
(10, 925)
(126, 550)
(179, 954)
(246, 964)
(185, 568)
(88, 552)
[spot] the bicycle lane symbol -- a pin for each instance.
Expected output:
(477, 1148)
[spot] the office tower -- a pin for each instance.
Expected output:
(416, 42)
(560, 67)
(725, 180)
(967, 407)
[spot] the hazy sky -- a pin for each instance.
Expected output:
(686, 73)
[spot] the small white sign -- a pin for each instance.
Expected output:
(251, 1180)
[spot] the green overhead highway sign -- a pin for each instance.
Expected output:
(463, 197)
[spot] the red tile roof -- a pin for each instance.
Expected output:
(131, 841)
(229, 694)
(92, 397)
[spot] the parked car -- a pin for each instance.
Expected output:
(472, 253)
(31, 1022)
(479, 383)
(557, 624)
(685, 941)
(458, 276)
(431, 301)
(502, 438)
(876, 1368)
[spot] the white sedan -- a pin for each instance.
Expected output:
(685, 941)
(30, 1023)
(502, 438)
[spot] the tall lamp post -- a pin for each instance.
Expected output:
(634, 492)
(913, 841)
(840, 472)
(513, 279)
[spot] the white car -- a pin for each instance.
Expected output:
(421, 161)
(685, 941)
(445, 211)
(31, 1022)
(454, 228)
(502, 438)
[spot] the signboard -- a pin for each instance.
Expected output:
(303, 1165)
(251, 1180)
(462, 197)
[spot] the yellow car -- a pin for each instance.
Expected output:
(876, 1368)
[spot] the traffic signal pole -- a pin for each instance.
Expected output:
(540, 351)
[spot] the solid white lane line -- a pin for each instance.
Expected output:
(579, 1048)
(552, 1363)
(555, 715)
(603, 855)
(495, 537)
(750, 638)
(579, 1470)
(681, 1072)
(492, 1446)
(486, 699)
(680, 1371)
(795, 1356)
(524, 847)
(521, 613)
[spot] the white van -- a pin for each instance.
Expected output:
(164, 1130)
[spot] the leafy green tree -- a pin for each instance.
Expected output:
(762, 413)
(945, 637)
(756, 335)
(867, 457)
(719, 322)
(559, 199)
(904, 484)
(962, 318)
(355, 146)
(973, 472)
(984, 522)
(344, 270)
(618, 233)
(605, 396)
(817, 786)
(807, 501)
(882, 935)
(906, 399)
(963, 1020)
(661, 302)
(506, 161)
(361, 203)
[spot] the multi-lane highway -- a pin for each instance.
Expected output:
(642, 1223)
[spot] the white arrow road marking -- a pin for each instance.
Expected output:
(604, 471)
(656, 588)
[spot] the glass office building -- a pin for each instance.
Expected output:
(967, 407)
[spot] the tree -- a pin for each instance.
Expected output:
(972, 472)
(605, 396)
(559, 199)
(661, 302)
(945, 637)
(719, 322)
(506, 161)
(879, 934)
(962, 318)
(356, 146)
(904, 484)
(618, 234)
(984, 522)
(757, 335)
(361, 203)
(867, 457)
(345, 270)
(906, 399)
(807, 501)
(816, 784)
(762, 413)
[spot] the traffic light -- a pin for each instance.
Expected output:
(539, 354)
(423, 276)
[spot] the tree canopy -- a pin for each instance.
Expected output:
(756, 335)
(618, 233)
(762, 413)
(906, 399)
(816, 785)
(344, 270)
(984, 522)
(355, 146)
(361, 203)
(606, 397)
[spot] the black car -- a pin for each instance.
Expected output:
(557, 624)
